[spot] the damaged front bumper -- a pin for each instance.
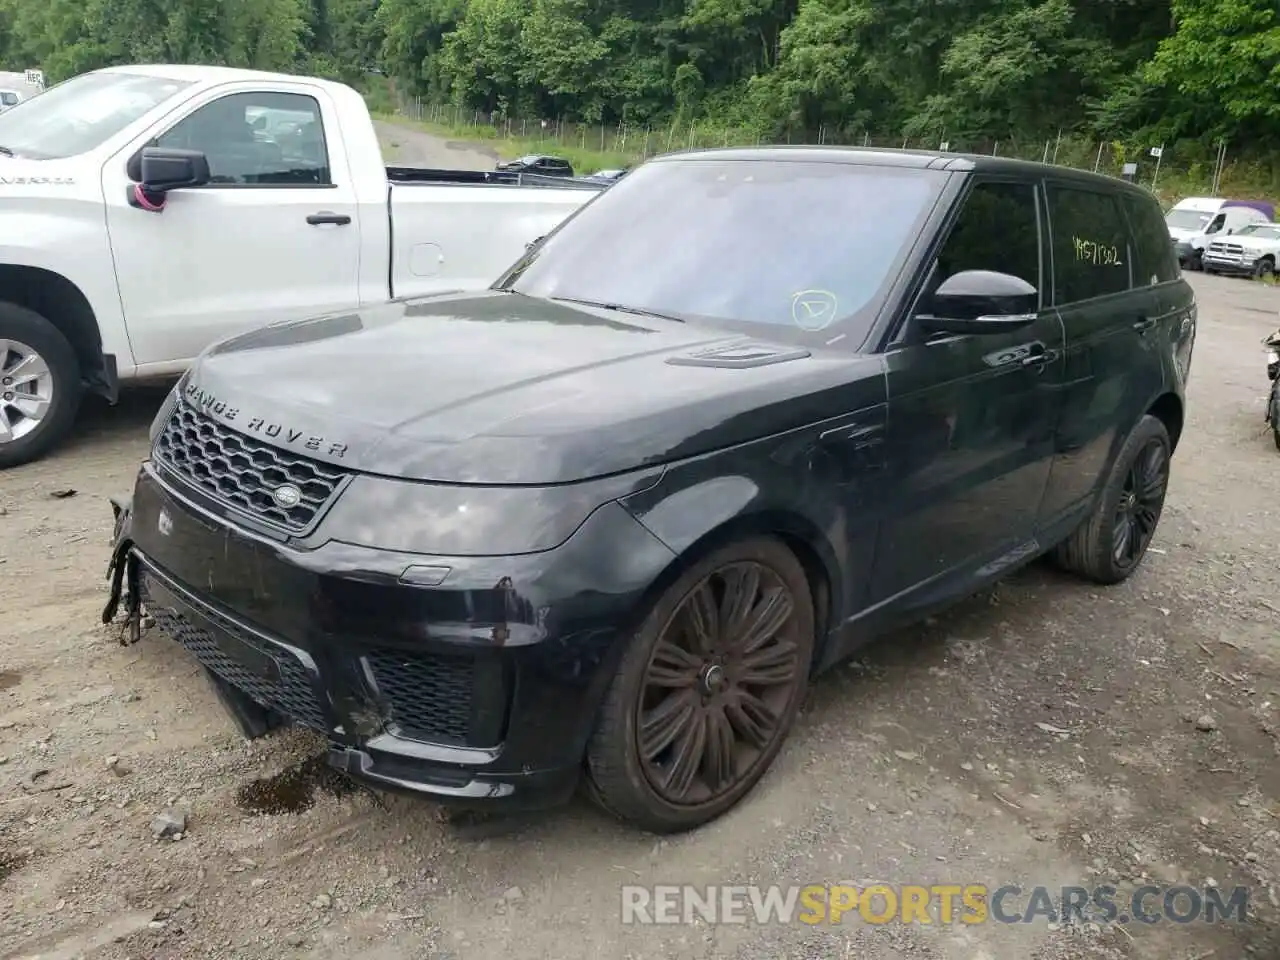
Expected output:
(483, 693)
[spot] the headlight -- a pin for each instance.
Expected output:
(1273, 356)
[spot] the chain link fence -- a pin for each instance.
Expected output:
(1185, 168)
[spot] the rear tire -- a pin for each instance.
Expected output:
(707, 690)
(40, 385)
(1264, 270)
(1273, 412)
(1110, 544)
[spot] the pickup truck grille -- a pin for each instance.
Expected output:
(243, 472)
(1230, 249)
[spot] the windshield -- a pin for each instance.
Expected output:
(1263, 231)
(78, 115)
(1187, 219)
(793, 245)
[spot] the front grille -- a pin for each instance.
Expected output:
(1231, 249)
(429, 696)
(293, 695)
(242, 471)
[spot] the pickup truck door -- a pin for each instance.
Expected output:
(276, 236)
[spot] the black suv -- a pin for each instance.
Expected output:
(539, 164)
(604, 521)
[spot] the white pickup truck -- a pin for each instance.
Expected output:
(148, 211)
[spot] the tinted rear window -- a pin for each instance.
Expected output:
(805, 247)
(1091, 248)
(1155, 260)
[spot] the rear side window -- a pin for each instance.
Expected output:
(1091, 245)
(1154, 257)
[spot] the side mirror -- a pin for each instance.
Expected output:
(980, 301)
(164, 169)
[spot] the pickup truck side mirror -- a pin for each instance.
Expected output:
(165, 169)
(980, 301)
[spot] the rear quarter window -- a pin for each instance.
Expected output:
(1154, 258)
(1092, 249)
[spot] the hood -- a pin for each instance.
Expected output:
(25, 176)
(500, 388)
(1177, 233)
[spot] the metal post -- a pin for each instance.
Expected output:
(1156, 176)
(1098, 162)
(1045, 158)
(1056, 146)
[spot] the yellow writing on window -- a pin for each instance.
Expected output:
(1099, 254)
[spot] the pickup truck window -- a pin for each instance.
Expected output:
(257, 139)
(1092, 252)
(1260, 231)
(804, 246)
(76, 116)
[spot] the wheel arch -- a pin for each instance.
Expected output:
(1167, 408)
(796, 532)
(64, 305)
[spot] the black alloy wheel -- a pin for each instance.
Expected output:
(708, 691)
(1140, 504)
(1113, 539)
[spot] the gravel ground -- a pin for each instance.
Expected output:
(414, 148)
(927, 760)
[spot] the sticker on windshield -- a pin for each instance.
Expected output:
(813, 310)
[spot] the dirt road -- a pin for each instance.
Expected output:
(1048, 733)
(414, 148)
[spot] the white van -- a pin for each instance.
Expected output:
(1195, 221)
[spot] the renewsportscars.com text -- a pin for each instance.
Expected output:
(937, 903)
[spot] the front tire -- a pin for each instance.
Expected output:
(1109, 546)
(40, 386)
(707, 690)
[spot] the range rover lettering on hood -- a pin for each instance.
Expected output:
(299, 439)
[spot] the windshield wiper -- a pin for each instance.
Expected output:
(618, 307)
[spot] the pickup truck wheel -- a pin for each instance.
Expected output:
(707, 691)
(40, 386)
(1266, 268)
(1110, 544)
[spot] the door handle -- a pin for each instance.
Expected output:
(1144, 324)
(326, 216)
(1040, 358)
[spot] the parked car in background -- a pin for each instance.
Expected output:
(607, 176)
(608, 518)
(540, 164)
(1253, 250)
(1195, 221)
(149, 211)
